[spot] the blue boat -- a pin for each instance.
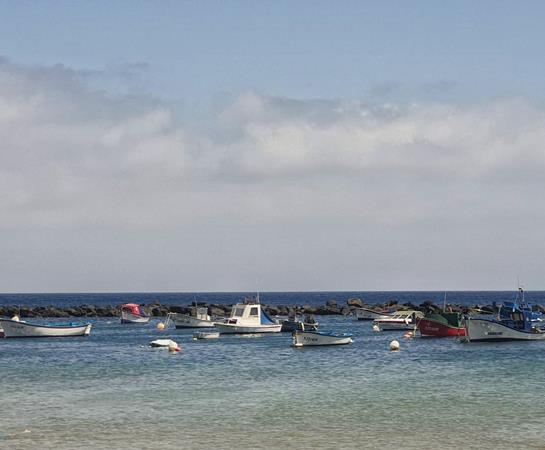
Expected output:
(514, 321)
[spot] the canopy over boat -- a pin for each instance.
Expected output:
(133, 308)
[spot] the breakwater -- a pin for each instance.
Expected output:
(157, 309)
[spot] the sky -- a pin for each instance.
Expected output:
(296, 146)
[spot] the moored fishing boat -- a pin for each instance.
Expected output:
(292, 323)
(197, 318)
(315, 338)
(514, 321)
(16, 328)
(363, 313)
(441, 324)
(400, 320)
(133, 313)
(248, 317)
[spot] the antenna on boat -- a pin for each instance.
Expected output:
(445, 302)
(257, 292)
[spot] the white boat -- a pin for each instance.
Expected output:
(370, 314)
(248, 317)
(206, 335)
(197, 318)
(163, 343)
(133, 313)
(15, 328)
(314, 338)
(400, 320)
(514, 321)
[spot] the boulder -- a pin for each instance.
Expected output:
(356, 302)
(332, 303)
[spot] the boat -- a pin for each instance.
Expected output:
(163, 343)
(16, 328)
(304, 338)
(370, 314)
(133, 313)
(248, 317)
(441, 324)
(292, 323)
(514, 321)
(198, 335)
(400, 320)
(197, 318)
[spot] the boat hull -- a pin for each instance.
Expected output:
(478, 330)
(317, 338)
(429, 327)
(395, 326)
(227, 328)
(187, 321)
(17, 329)
(127, 317)
(206, 335)
(369, 314)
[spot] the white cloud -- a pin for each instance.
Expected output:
(74, 158)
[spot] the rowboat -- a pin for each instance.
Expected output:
(15, 328)
(315, 338)
(133, 313)
(206, 335)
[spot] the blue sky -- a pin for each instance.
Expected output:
(199, 146)
(194, 50)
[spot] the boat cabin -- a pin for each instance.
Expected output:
(249, 314)
(199, 312)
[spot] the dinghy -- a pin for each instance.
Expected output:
(315, 338)
(206, 335)
(133, 313)
(16, 328)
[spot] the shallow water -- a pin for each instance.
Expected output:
(111, 391)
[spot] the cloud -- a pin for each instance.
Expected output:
(73, 156)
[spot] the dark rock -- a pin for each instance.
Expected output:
(331, 302)
(354, 302)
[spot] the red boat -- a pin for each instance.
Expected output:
(441, 325)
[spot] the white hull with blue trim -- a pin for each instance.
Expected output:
(492, 330)
(17, 329)
(315, 338)
(248, 318)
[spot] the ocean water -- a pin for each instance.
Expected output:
(270, 298)
(111, 391)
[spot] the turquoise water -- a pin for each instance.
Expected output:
(111, 391)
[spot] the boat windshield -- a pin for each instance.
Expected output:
(239, 312)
